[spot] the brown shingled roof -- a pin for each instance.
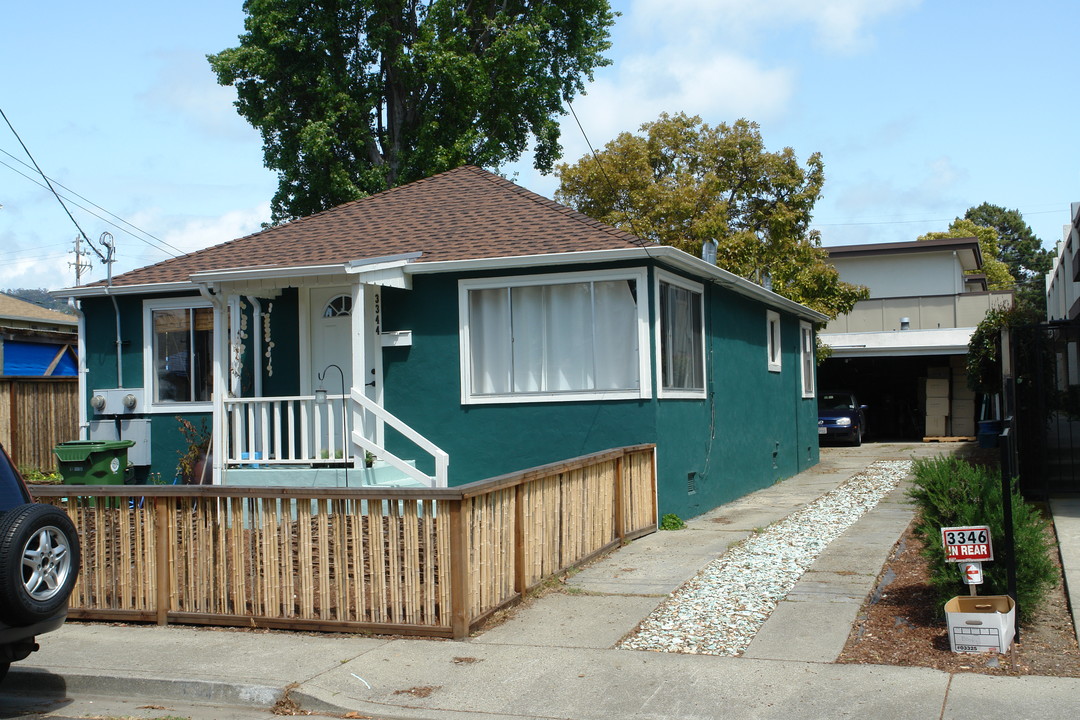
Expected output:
(462, 214)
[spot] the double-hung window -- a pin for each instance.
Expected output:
(179, 359)
(807, 358)
(549, 338)
(680, 330)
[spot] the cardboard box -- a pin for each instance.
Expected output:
(937, 387)
(937, 406)
(935, 425)
(981, 623)
(963, 426)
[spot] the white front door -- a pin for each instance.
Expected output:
(333, 328)
(330, 346)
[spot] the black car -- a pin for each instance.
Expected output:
(841, 417)
(39, 562)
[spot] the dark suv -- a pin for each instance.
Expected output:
(39, 562)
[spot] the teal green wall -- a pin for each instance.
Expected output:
(753, 429)
(761, 428)
(422, 386)
(166, 441)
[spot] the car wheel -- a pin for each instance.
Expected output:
(39, 562)
(858, 437)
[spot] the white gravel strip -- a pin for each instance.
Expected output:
(719, 611)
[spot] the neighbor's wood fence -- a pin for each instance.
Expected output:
(411, 561)
(36, 415)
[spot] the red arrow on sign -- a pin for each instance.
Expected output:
(972, 572)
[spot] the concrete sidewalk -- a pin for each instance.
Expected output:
(555, 657)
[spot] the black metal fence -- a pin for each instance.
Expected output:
(1043, 399)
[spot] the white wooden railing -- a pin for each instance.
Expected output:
(297, 430)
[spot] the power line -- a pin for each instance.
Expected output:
(158, 243)
(51, 188)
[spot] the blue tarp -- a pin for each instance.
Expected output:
(27, 358)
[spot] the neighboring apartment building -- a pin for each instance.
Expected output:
(903, 351)
(1063, 280)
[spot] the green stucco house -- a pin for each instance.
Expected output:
(447, 331)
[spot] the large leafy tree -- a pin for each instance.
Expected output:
(1021, 251)
(1018, 246)
(681, 183)
(354, 96)
(997, 273)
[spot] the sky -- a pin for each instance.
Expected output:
(920, 109)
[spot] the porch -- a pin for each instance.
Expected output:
(318, 441)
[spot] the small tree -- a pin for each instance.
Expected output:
(950, 492)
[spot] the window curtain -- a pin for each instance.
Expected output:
(681, 338)
(568, 337)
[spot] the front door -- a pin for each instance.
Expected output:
(332, 332)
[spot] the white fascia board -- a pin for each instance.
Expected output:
(385, 272)
(266, 273)
(668, 255)
(105, 290)
(944, 341)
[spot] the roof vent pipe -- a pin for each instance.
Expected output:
(905, 323)
(708, 251)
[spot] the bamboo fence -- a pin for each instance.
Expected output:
(36, 414)
(431, 562)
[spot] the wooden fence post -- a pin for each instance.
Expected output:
(620, 525)
(520, 580)
(161, 558)
(459, 572)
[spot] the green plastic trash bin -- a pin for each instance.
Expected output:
(93, 462)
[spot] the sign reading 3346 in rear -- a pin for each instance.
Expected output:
(967, 544)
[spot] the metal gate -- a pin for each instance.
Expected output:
(1043, 398)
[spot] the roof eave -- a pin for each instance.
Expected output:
(662, 253)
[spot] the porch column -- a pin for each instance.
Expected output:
(359, 419)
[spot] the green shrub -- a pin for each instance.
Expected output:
(671, 521)
(950, 492)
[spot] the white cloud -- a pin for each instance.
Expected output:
(185, 86)
(839, 25)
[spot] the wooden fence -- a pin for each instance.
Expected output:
(408, 561)
(37, 414)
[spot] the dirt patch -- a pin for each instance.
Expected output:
(899, 626)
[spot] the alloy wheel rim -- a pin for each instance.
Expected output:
(46, 563)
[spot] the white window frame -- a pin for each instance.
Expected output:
(149, 369)
(644, 389)
(678, 281)
(807, 359)
(773, 346)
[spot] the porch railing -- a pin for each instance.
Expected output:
(297, 430)
(415, 561)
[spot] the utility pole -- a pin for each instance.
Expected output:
(79, 265)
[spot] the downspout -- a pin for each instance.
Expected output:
(217, 424)
(84, 424)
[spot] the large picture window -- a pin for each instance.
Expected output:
(181, 337)
(680, 337)
(553, 337)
